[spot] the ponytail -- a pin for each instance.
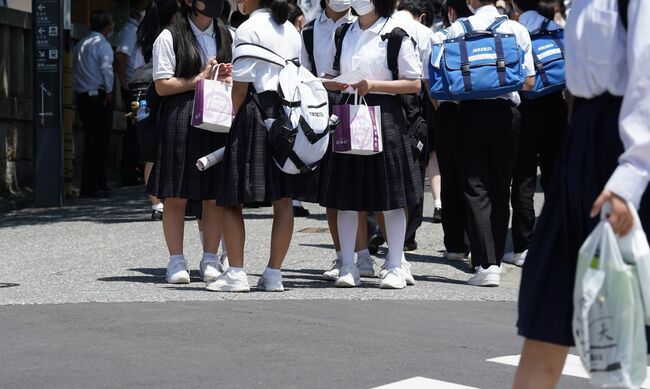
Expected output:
(279, 9)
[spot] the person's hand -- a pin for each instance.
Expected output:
(334, 86)
(225, 71)
(108, 100)
(363, 87)
(620, 216)
(206, 73)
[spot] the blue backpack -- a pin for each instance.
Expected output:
(548, 55)
(477, 65)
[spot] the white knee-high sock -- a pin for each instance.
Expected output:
(396, 231)
(348, 221)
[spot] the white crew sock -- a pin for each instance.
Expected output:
(438, 203)
(158, 207)
(296, 203)
(338, 255)
(363, 253)
(176, 257)
(395, 231)
(209, 257)
(272, 272)
(235, 271)
(347, 222)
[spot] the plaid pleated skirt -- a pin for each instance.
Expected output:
(588, 159)
(180, 145)
(248, 173)
(381, 182)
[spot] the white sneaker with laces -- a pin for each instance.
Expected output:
(366, 266)
(223, 263)
(349, 277)
(177, 272)
(270, 282)
(394, 279)
(486, 277)
(406, 270)
(517, 259)
(333, 273)
(230, 282)
(209, 270)
(384, 269)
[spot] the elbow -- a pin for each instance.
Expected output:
(417, 87)
(161, 88)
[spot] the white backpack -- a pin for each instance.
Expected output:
(299, 137)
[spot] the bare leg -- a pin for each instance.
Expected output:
(234, 234)
(282, 232)
(362, 233)
(540, 366)
(332, 215)
(212, 227)
(174, 224)
(433, 170)
(148, 166)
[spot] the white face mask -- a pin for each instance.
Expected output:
(339, 5)
(469, 5)
(363, 7)
(142, 13)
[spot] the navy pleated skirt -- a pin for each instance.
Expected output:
(588, 159)
(380, 182)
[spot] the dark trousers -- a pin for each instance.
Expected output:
(543, 128)
(130, 148)
(454, 212)
(485, 147)
(97, 120)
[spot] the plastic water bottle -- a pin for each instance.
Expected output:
(143, 111)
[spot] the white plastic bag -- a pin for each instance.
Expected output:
(636, 250)
(608, 319)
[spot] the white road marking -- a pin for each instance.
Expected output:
(423, 383)
(573, 367)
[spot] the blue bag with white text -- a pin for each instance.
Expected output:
(548, 55)
(478, 65)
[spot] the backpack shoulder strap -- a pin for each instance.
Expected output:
(393, 46)
(622, 11)
(258, 52)
(308, 41)
(497, 23)
(467, 26)
(339, 35)
(545, 25)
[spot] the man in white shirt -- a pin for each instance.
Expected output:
(92, 84)
(485, 151)
(124, 66)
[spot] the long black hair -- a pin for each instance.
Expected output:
(279, 9)
(157, 17)
(460, 8)
(186, 48)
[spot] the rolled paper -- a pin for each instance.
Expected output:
(211, 159)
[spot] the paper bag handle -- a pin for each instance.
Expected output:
(214, 72)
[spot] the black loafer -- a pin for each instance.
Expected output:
(410, 246)
(300, 212)
(156, 215)
(437, 215)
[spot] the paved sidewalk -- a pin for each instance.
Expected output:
(108, 251)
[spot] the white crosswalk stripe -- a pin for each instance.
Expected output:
(573, 367)
(423, 383)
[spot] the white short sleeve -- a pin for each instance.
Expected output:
(527, 47)
(408, 61)
(164, 59)
(243, 70)
(127, 40)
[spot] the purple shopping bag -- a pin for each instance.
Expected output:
(359, 131)
(212, 109)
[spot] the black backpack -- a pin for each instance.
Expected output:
(411, 103)
(308, 41)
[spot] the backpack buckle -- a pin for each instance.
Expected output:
(501, 65)
(465, 68)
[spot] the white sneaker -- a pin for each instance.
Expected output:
(384, 269)
(366, 266)
(517, 259)
(349, 277)
(209, 270)
(406, 270)
(177, 272)
(394, 279)
(459, 257)
(229, 282)
(224, 265)
(333, 273)
(486, 277)
(270, 283)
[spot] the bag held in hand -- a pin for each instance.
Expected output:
(359, 129)
(212, 104)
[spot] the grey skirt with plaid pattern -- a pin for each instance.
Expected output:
(381, 182)
(174, 172)
(248, 173)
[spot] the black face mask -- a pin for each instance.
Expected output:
(213, 8)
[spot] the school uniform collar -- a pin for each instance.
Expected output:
(346, 18)
(197, 32)
(488, 10)
(259, 11)
(375, 28)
